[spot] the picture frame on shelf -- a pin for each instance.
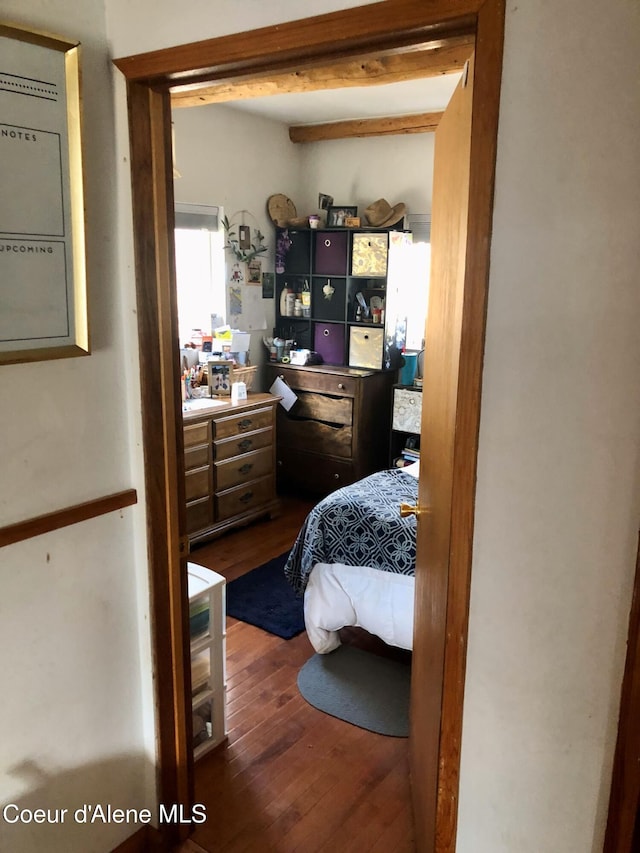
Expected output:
(352, 221)
(337, 215)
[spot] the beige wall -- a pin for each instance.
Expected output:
(76, 714)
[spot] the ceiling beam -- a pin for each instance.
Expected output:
(445, 58)
(420, 123)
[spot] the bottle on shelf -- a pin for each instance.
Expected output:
(283, 300)
(306, 299)
(291, 303)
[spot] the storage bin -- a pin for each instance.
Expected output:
(369, 254)
(328, 341)
(366, 346)
(330, 253)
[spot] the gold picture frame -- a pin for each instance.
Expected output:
(42, 232)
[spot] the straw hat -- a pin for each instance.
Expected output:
(281, 209)
(380, 213)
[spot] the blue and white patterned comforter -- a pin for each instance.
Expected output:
(359, 525)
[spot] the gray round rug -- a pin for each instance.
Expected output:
(366, 690)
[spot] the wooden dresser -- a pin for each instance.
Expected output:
(338, 429)
(229, 455)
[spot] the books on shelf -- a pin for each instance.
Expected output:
(407, 456)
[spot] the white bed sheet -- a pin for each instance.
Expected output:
(338, 595)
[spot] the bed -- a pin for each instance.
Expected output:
(354, 561)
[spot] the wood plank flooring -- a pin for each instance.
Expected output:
(291, 778)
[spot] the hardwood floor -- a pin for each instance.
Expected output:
(291, 778)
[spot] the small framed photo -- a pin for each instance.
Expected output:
(352, 221)
(336, 216)
(324, 201)
(254, 271)
(268, 285)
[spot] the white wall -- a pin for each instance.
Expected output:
(75, 714)
(558, 499)
(227, 157)
(359, 171)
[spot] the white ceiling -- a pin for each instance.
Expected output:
(429, 94)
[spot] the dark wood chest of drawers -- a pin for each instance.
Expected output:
(338, 429)
(229, 454)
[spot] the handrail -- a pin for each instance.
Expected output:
(64, 517)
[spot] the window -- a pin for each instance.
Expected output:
(200, 269)
(418, 279)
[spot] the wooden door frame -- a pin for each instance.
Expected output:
(395, 26)
(623, 822)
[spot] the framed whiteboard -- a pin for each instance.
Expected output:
(43, 289)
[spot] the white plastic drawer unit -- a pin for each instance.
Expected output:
(208, 679)
(407, 410)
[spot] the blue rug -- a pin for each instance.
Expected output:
(264, 598)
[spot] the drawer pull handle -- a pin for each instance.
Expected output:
(327, 243)
(244, 469)
(245, 444)
(341, 386)
(325, 332)
(336, 476)
(245, 423)
(246, 497)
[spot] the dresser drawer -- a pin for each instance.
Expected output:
(199, 514)
(244, 498)
(321, 407)
(243, 423)
(196, 483)
(240, 469)
(196, 458)
(326, 383)
(323, 438)
(228, 447)
(195, 434)
(313, 473)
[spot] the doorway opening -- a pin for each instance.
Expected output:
(398, 27)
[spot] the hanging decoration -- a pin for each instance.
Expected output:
(245, 243)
